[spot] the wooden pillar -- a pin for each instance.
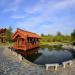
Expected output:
(0, 40)
(16, 43)
(23, 43)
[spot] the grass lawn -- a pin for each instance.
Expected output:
(51, 43)
(6, 44)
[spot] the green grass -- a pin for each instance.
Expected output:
(51, 43)
(6, 44)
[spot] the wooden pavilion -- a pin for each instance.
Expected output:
(25, 40)
(2, 35)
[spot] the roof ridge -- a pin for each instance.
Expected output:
(25, 31)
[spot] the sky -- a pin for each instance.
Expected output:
(39, 16)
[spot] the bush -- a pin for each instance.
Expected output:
(73, 43)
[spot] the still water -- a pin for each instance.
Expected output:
(48, 55)
(53, 56)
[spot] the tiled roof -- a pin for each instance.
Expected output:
(24, 34)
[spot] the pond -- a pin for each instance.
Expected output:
(53, 56)
(47, 55)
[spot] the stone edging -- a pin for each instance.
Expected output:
(56, 65)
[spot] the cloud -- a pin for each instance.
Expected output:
(51, 10)
(17, 2)
(17, 16)
(24, 23)
(10, 9)
(50, 6)
(63, 4)
(45, 15)
(27, 26)
(11, 5)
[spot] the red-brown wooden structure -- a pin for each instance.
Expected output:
(2, 35)
(25, 40)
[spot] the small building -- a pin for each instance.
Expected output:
(2, 35)
(25, 40)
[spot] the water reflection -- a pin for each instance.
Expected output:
(46, 55)
(54, 56)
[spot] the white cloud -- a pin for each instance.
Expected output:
(48, 10)
(64, 4)
(24, 23)
(17, 1)
(11, 5)
(10, 9)
(17, 16)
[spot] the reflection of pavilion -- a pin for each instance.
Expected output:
(2, 35)
(28, 52)
(25, 40)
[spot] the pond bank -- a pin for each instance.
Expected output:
(59, 45)
(9, 65)
(68, 47)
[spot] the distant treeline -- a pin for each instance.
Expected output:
(59, 37)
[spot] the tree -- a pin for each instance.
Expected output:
(73, 35)
(67, 38)
(8, 34)
(59, 34)
(58, 37)
(42, 34)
